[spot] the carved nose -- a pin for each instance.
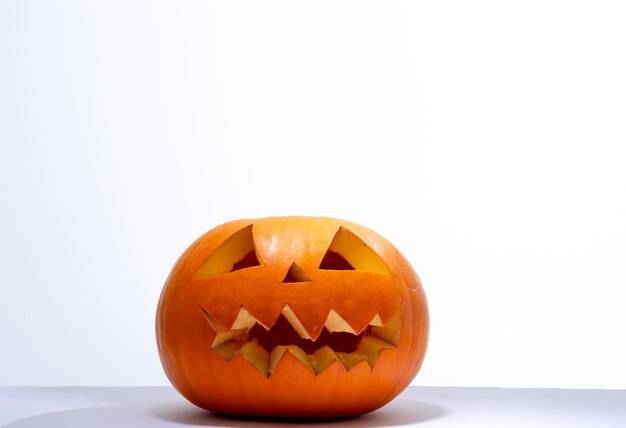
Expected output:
(296, 274)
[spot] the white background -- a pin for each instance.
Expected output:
(485, 139)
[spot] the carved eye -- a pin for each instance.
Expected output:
(237, 252)
(348, 252)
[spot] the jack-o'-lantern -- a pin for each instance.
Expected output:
(292, 317)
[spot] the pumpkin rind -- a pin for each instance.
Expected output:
(291, 389)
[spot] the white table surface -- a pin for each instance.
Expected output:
(418, 406)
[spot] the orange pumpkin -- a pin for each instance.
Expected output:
(292, 317)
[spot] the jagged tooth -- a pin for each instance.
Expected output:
(335, 322)
(227, 336)
(390, 332)
(244, 320)
(279, 352)
(349, 360)
(302, 356)
(275, 356)
(227, 350)
(323, 358)
(376, 321)
(371, 346)
(295, 322)
(217, 327)
(256, 355)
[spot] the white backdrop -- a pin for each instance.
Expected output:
(486, 139)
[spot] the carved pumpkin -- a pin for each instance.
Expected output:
(292, 317)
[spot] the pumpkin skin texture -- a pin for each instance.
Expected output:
(292, 317)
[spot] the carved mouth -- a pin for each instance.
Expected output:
(264, 346)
